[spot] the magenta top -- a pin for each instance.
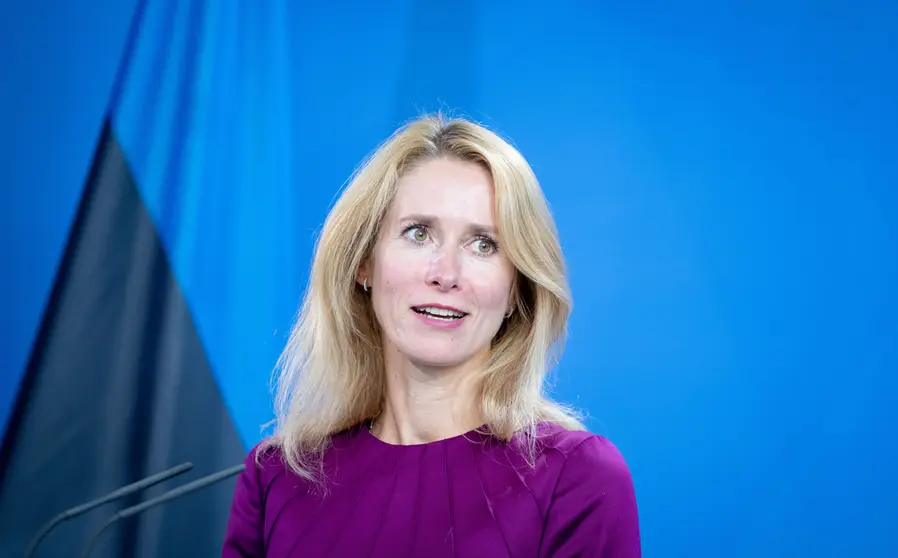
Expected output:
(470, 495)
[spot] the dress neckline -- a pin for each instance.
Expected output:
(476, 435)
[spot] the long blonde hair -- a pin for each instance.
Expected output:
(330, 376)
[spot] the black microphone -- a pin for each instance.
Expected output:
(115, 495)
(170, 495)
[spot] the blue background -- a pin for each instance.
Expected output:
(725, 180)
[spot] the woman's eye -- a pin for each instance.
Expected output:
(483, 247)
(418, 234)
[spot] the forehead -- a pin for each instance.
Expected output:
(449, 189)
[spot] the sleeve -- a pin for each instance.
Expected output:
(243, 537)
(593, 511)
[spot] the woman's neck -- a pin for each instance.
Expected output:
(424, 405)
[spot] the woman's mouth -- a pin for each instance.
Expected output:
(447, 315)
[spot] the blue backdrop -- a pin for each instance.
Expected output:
(725, 181)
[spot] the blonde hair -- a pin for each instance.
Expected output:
(330, 376)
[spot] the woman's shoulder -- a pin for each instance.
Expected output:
(266, 451)
(264, 462)
(581, 450)
(267, 460)
(565, 440)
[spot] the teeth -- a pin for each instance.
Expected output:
(439, 312)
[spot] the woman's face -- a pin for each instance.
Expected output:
(439, 281)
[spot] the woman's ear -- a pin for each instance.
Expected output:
(363, 274)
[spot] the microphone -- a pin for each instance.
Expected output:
(115, 495)
(161, 499)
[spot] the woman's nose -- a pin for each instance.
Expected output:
(444, 270)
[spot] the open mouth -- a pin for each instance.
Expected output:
(444, 314)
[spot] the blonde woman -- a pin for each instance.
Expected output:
(412, 419)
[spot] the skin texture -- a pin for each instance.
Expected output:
(438, 245)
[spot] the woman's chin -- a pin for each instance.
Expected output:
(435, 357)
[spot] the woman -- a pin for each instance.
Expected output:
(411, 414)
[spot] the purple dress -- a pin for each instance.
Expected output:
(470, 495)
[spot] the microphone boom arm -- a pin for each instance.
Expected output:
(170, 495)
